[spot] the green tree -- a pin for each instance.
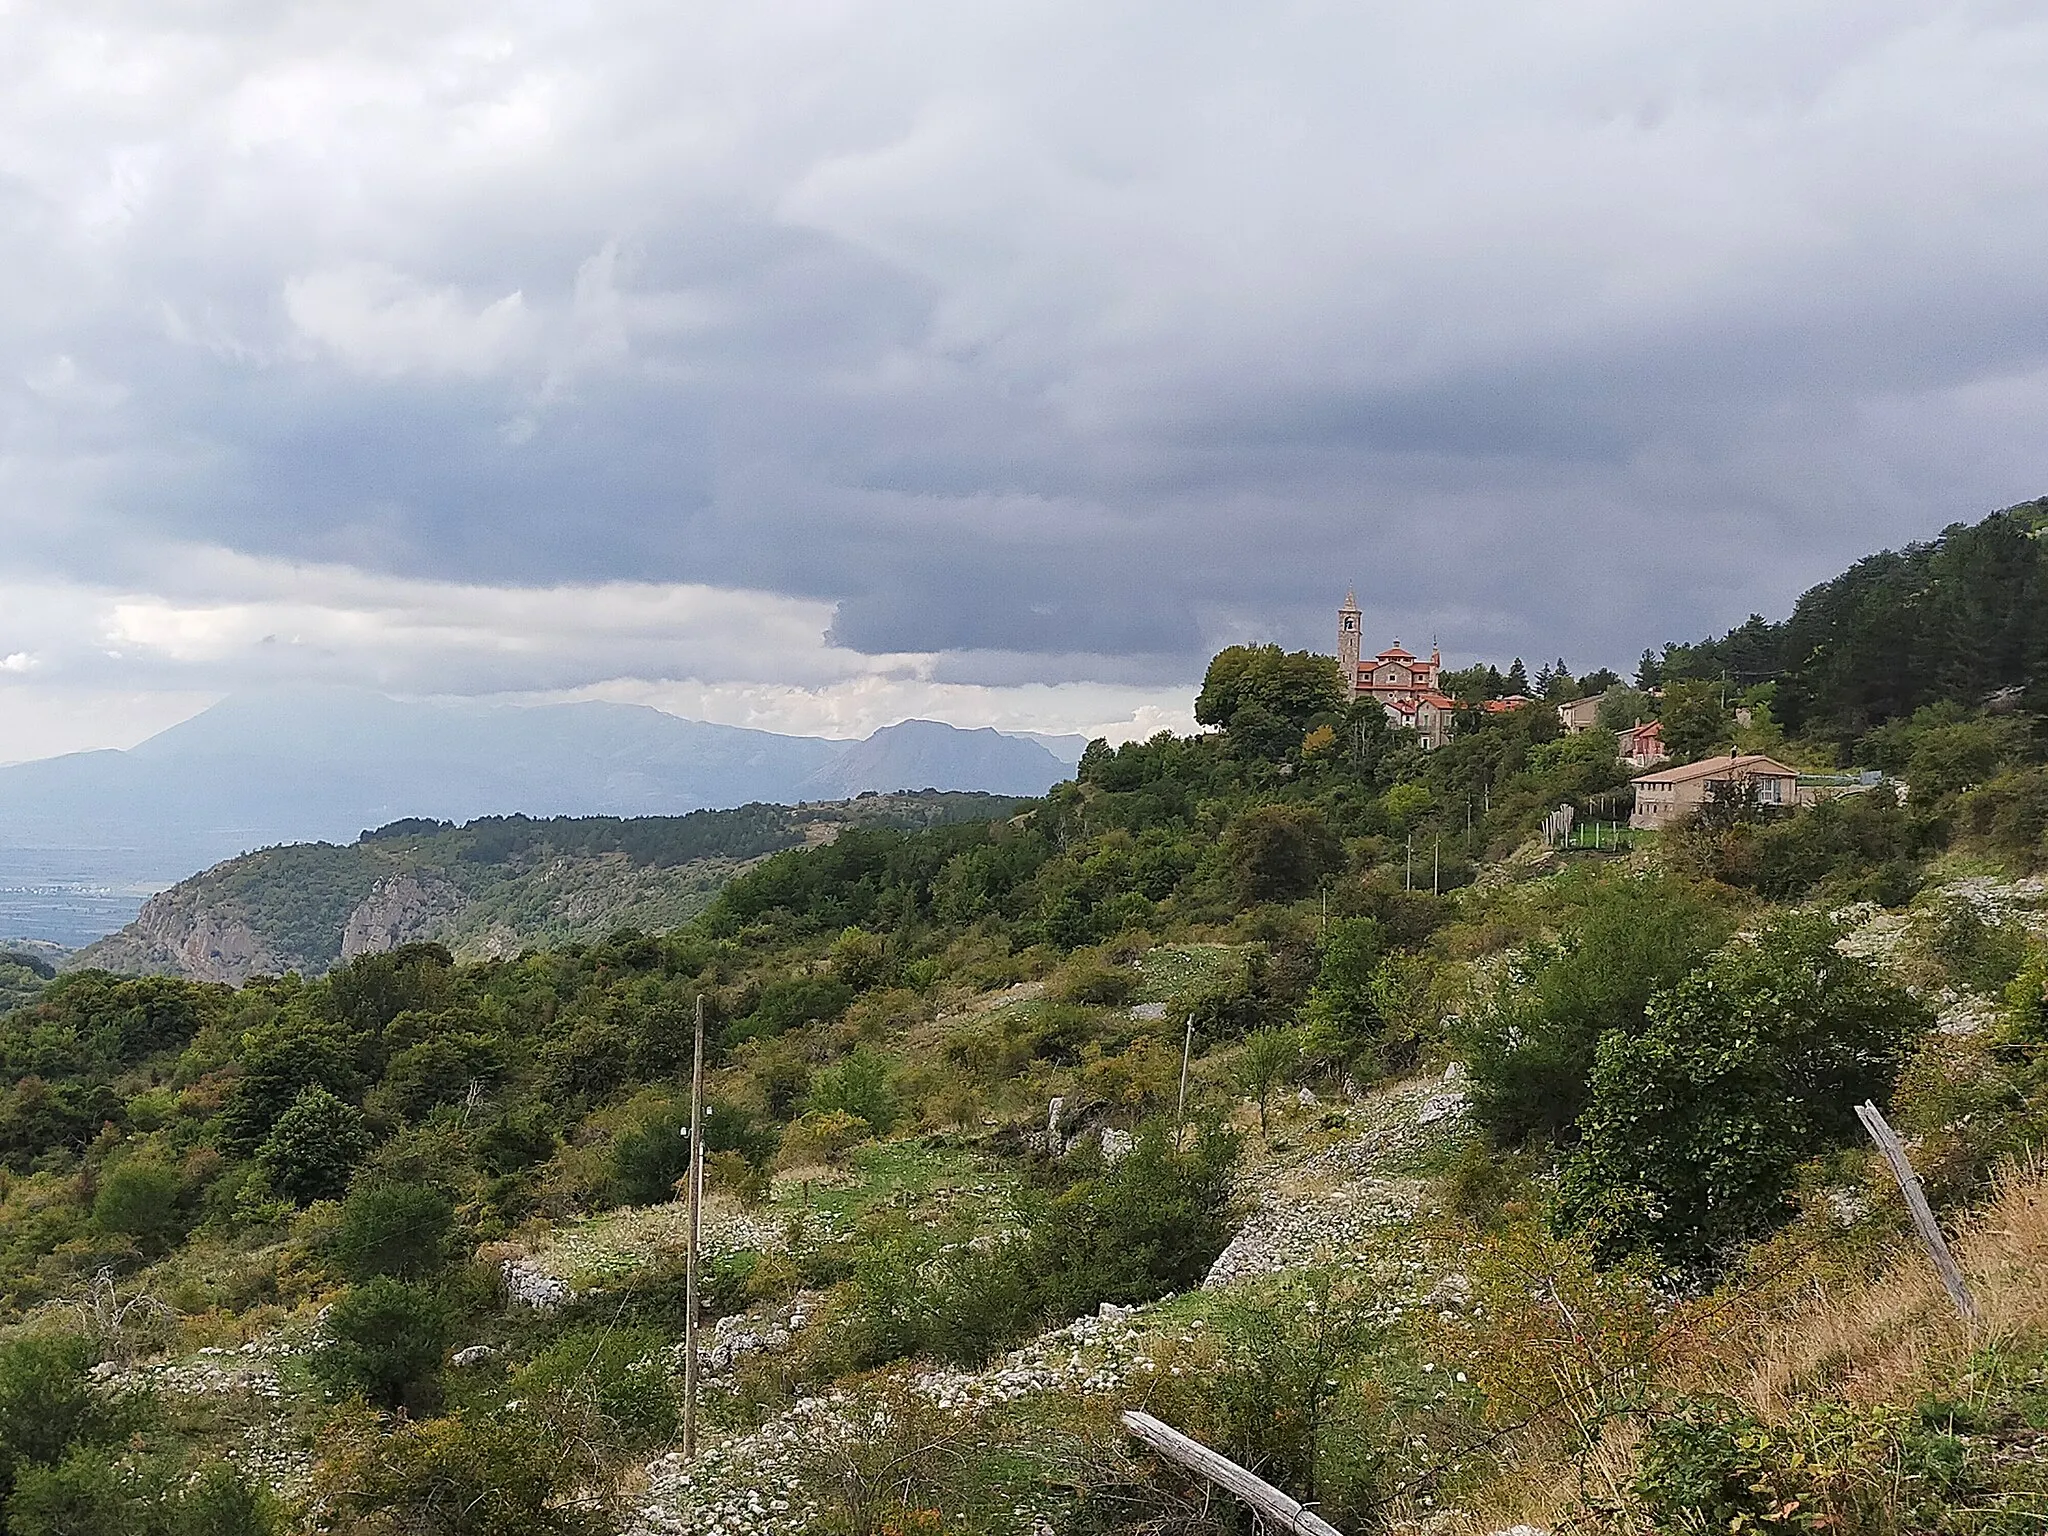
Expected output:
(314, 1147)
(1747, 1067)
(1516, 683)
(1267, 698)
(85, 1494)
(1621, 708)
(1340, 1016)
(1279, 852)
(1271, 1058)
(1695, 721)
(139, 1199)
(860, 959)
(858, 1086)
(1531, 1042)
(386, 1341)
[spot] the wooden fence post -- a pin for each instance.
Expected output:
(1272, 1506)
(1929, 1229)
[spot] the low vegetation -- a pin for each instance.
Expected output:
(1506, 1186)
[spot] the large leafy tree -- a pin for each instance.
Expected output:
(1267, 698)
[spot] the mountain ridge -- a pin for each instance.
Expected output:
(272, 768)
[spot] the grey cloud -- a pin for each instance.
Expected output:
(1043, 337)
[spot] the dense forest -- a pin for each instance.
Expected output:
(1274, 1079)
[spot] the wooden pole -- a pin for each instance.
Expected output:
(1273, 1507)
(1929, 1229)
(1180, 1113)
(696, 1233)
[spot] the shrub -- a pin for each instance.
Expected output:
(1531, 1043)
(1089, 979)
(48, 1405)
(83, 1495)
(220, 1501)
(462, 1475)
(823, 1136)
(860, 960)
(314, 1146)
(1286, 1400)
(139, 1199)
(1342, 1015)
(1748, 1067)
(386, 1341)
(402, 1230)
(859, 1087)
(607, 1388)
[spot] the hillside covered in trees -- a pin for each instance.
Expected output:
(493, 886)
(1496, 1186)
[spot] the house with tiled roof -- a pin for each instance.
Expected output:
(1642, 744)
(1669, 794)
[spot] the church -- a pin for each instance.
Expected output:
(1405, 685)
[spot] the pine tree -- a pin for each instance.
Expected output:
(1648, 673)
(1517, 680)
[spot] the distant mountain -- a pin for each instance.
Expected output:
(320, 765)
(923, 754)
(491, 888)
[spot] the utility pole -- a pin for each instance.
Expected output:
(1408, 879)
(1436, 865)
(696, 1177)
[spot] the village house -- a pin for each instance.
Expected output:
(1406, 686)
(1642, 744)
(1579, 715)
(1666, 795)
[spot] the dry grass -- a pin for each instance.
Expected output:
(1865, 1334)
(1898, 1334)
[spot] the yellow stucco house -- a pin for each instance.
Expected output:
(1669, 794)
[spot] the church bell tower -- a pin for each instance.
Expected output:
(1348, 618)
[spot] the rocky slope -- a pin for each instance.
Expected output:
(488, 889)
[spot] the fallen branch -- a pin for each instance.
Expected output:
(1269, 1503)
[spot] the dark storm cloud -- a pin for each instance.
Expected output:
(1061, 337)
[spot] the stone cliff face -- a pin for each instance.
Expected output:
(402, 910)
(180, 934)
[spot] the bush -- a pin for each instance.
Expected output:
(823, 1136)
(860, 960)
(1342, 1015)
(48, 1405)
(607, 1388)
(404, 1231)
(314, 1147)
(1287, 1399)
(467, 1475)
(1152, 1224)
(83, 1495)
(858, 1087)
(1531, 1044)
(139, 1199)
(1748, 1067)
(1279, 852)
(386, 1341)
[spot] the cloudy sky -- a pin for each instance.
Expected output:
(817, 363)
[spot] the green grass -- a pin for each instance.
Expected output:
(1172, 971)
(908, 1172)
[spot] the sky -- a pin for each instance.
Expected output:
(814, 364)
